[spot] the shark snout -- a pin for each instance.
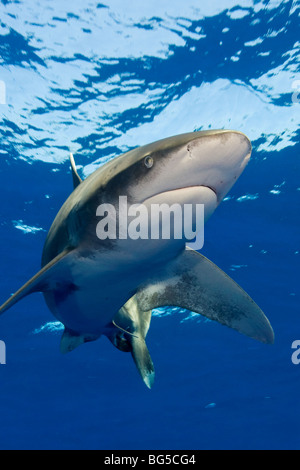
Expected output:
(211, 160)
(231, 153)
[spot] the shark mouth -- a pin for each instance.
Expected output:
(189, 195)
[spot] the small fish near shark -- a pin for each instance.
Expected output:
(110, 287)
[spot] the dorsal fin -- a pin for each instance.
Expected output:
(76, 178)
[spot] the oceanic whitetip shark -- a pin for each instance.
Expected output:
(109, 287)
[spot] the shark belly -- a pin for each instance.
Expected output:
(94, 288)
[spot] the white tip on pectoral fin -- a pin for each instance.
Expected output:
(195, 283)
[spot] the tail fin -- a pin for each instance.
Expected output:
(142, 360)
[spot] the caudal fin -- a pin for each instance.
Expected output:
(142, 359)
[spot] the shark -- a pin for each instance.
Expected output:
(110, 287)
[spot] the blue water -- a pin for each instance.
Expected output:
(99, 79)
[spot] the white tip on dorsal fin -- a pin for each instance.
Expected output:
(76, 178)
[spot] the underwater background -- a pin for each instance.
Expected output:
(99, 79)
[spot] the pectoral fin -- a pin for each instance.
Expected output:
(52, 272)
(195, 283)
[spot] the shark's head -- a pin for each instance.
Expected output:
(194, 168)
(198, 167)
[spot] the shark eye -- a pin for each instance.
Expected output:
(149, 162)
